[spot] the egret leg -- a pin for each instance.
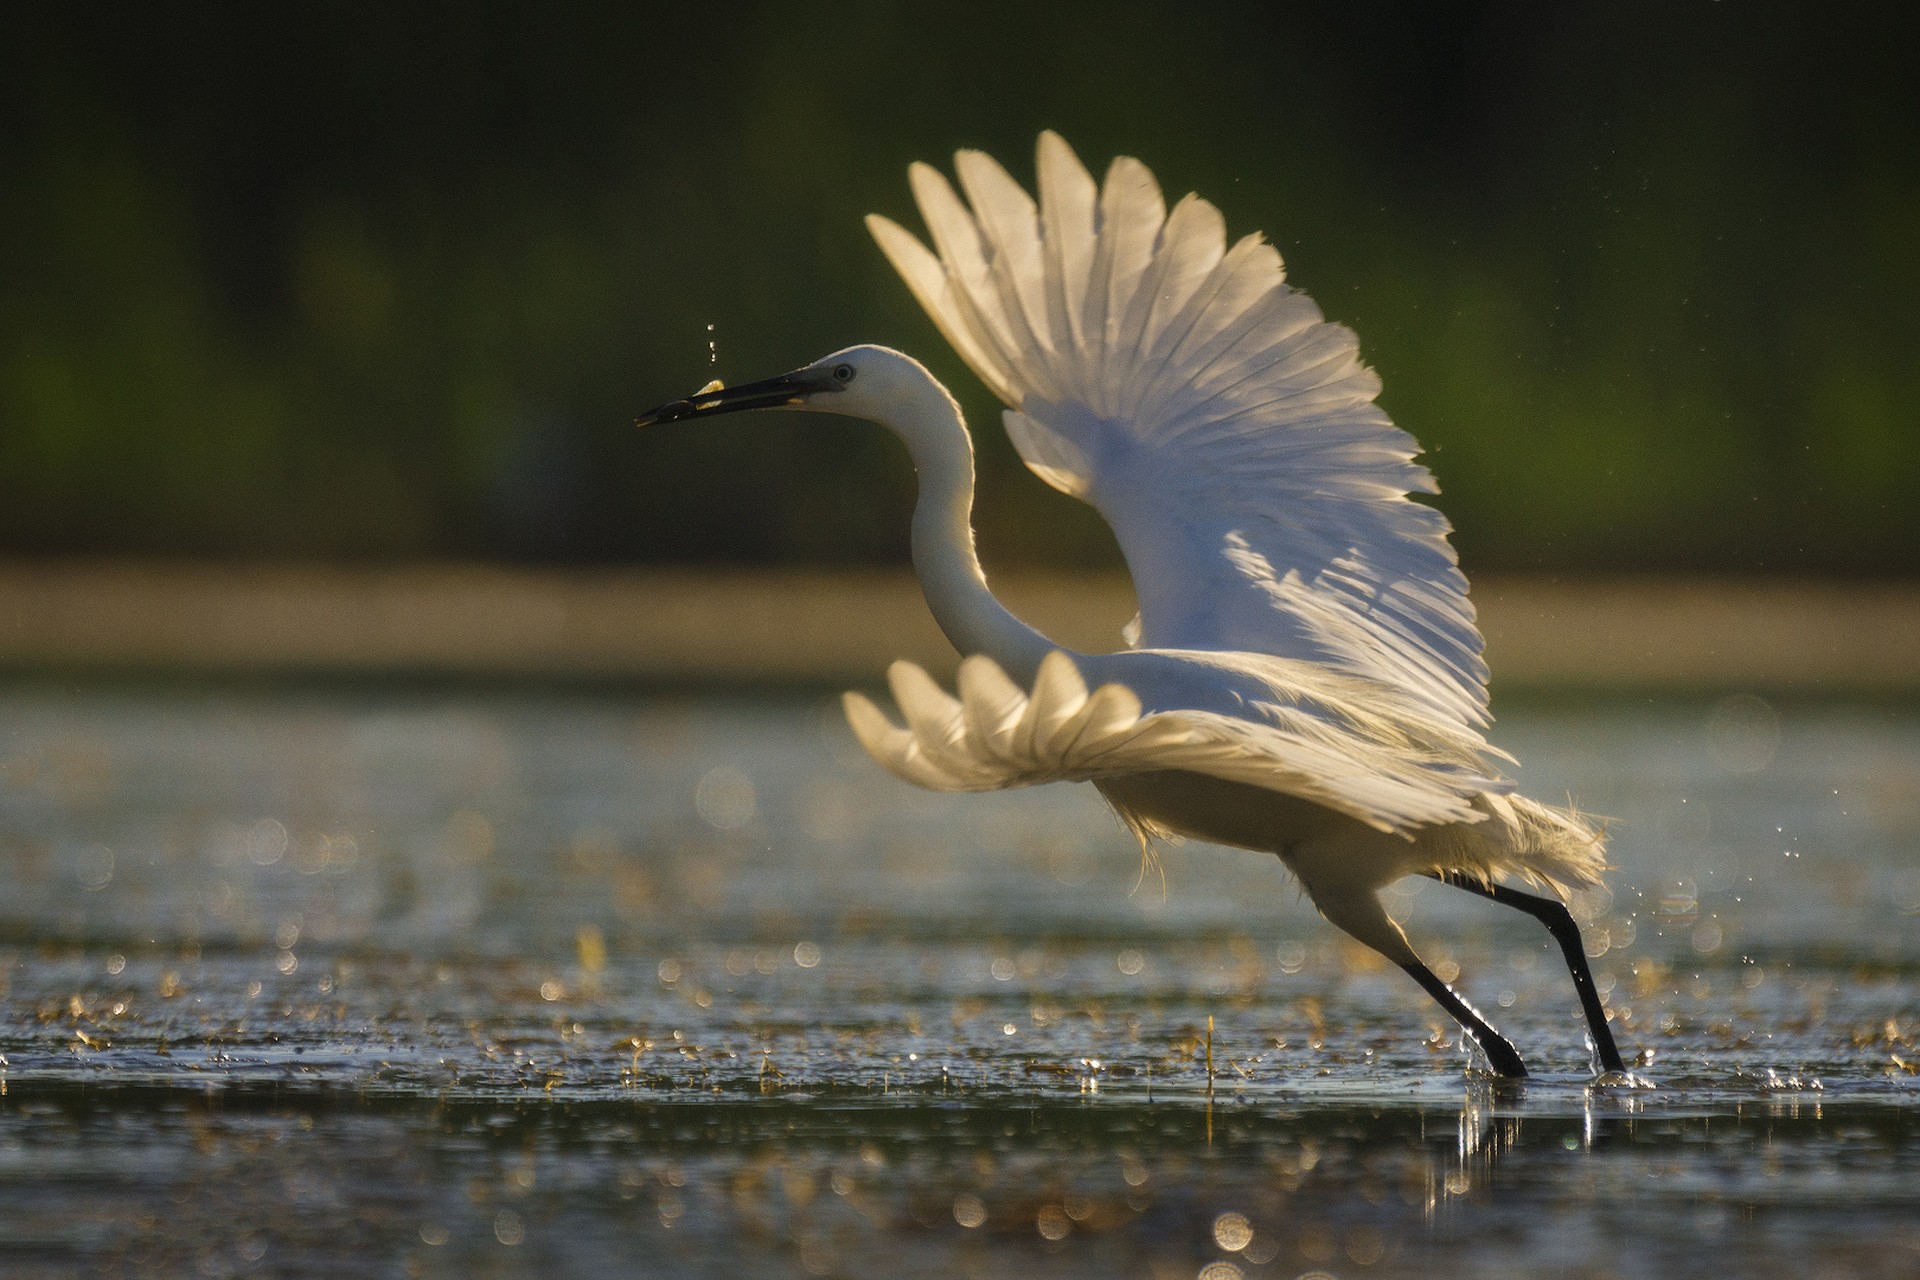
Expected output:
(1559, 921)
(1501, 1054)
(1356, 908)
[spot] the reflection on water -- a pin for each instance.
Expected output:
(829, 1183)
(456, 983)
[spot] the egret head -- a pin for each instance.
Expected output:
(860, 382)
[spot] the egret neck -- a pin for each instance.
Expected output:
(894, 390)
(929, 422)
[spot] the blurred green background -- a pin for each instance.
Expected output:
(378, 281)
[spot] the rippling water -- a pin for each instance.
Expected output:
(390, 981)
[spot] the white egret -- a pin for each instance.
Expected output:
(1305, 674)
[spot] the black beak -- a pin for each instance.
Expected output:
(773, 393)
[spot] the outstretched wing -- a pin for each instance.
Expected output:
(1224, 429)
(996, 735)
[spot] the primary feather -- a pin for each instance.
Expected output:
(1333, 743)
(1225, 431)
(995, 735)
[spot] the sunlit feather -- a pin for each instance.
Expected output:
(1306, 675)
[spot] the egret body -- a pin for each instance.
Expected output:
(1305, 676)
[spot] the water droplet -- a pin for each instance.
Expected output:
(1366, 1246)
(725, 798)
(968, 1211)
(94, 867)
(266, 842)
(1743, 733)
(1232, 1231)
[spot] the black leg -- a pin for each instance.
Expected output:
(1500, 1052)
(1559, 922)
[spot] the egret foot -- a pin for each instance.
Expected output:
(1501, 1055)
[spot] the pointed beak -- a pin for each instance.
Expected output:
(773, 393)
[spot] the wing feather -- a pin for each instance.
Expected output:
(1224, 428)
(1128, 221)
(1191, 245)
(1010, 222)
(1070, 196)
(956, 238)
(997, 736)
(927, 278)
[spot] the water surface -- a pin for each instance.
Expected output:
(449, 981)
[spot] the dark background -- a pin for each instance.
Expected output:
(389, 281)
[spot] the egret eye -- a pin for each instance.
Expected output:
(843, 373)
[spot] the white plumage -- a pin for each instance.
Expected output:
(1225, 431)
(995, 735)
(1230, 437)
(1431, 791)
(1306, 676)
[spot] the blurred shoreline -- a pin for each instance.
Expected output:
(846, 625)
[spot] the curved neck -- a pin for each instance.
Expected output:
(943, 555)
